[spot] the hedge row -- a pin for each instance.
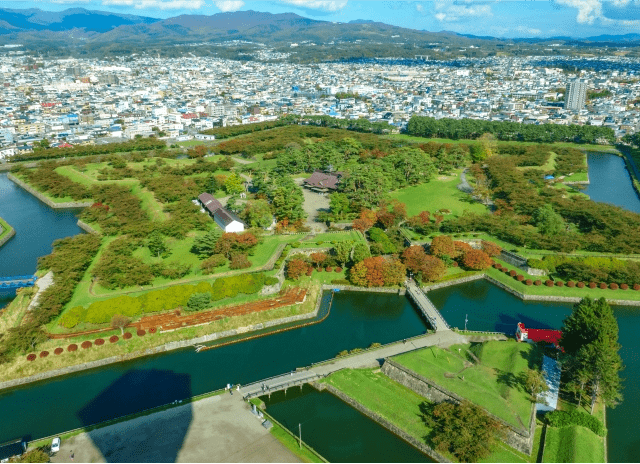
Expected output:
(566, 418)
(101, 312)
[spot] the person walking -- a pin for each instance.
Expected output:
(71, 454)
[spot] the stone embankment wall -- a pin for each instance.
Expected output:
(158, 349)
(349, 288)
(382, 421)
(7, 237)
(520, 439)
(451, 282)
(87, 228)
(44, 199)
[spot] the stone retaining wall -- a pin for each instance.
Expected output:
(87, 228)
(382, 421)
(7, 237)
(156, 349)
(519, 439)
(349, 288)
(44, 198)
(448, 283)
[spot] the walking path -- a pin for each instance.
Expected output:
(371, 358)
(427, 308)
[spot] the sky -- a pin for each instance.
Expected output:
(498, 18)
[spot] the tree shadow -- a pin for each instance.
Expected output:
(507, 323)
(143, 439)
(509, 379)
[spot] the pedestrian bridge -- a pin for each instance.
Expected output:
(426, 307)
(9, 283)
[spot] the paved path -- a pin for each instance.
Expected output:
(314, 203)
(217, 429)
(427, 308)
(42, 283)
(464, 185)
(371, 358)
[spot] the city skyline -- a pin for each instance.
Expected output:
(533, 18)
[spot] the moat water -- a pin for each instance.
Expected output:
(356, 320)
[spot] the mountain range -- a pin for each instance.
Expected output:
(79, 27)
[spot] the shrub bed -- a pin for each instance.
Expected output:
(613, 286)
(455, 264)
(338, 269)
(99, 342)
(520, 277)
(72, 347)
(44, 354)
(86, 344)
(113, 338)
(141, 333)
(58, 351)
(624, 287)
(538, 282)
(152, 330)
(636, 286)
(31, 357)
(565, 418)
(528, 282)
(328, 269)
(559, 283)
(549, 283)
(127, 335)
(603, 285)
(580, 285)
(592, 285)
(571, 284)
(512, 273)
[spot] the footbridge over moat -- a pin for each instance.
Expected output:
(427, 308)
(10, 283)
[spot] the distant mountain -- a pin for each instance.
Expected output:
(362, 21)
(615, 38)
(34, 19)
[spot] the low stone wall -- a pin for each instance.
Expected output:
(514, 259)
(451, 282)
(87, 228)
(519, 439)
(349, 288)
(7, 237)
(382, 421)
(156, 349)
(44, 198)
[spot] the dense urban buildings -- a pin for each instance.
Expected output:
(576, 95)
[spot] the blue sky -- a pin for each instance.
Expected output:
(500, 18)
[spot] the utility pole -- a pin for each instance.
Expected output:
(300, 435)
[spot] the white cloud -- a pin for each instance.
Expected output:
(325, 5)
(449, 10)
(591, 10)
(229, 5)
(527, 30)
(419, 7)
(158, 4)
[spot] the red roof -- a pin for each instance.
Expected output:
(542, 335)
(189, 116)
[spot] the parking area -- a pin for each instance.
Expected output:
(217, 429)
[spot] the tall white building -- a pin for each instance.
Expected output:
(576, 95)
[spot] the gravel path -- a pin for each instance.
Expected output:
(313, 204)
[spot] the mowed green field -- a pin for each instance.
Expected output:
(572, 444)
(437, 194)
(493, 384)
(398, 405)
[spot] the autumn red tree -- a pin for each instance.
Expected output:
(394, 272)
(491, 248)
(414, 258)
(443, 245)
(461, 248)
(377, 271)
(318, 258)
(476, 260)
(434, 269)
(231, 243)
(296, 268)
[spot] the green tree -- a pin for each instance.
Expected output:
(205, 245)
(464, 430)
(257, 213)
(342, 251)
(360, 252)
(198, 301)
(118, 321)
(548, 221)
(156, 244)
(234, 184)
(339, 204)
(534, 382)
(44, 143)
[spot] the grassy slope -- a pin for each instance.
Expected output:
(6, 228)
(572, 444)
(397, 404)
(492, 384)
(435, 195)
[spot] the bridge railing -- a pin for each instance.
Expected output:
(23, 277)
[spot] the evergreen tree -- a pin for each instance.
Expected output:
(205, 245)
(156, 244)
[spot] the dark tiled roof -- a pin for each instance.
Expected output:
(323, 180)
(226, 217)
(209, 202)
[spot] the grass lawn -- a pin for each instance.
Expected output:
(6, 228)
(398, 405)
(327, 238)
(149, 203)
(558, 291)
(437, 194)
(572, 444)
(289, 442)
(493, 384)
(577, 177)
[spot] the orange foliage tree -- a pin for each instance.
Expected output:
(296, 268)
(443, 245)
(491, 248)
(318, 258)
(476, 260)
(377, 271)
